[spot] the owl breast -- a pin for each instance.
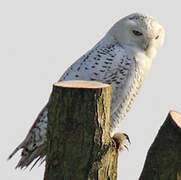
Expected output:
(123, 96)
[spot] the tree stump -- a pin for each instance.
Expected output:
(163, 161)
(79, 146)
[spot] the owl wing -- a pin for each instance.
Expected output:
(108, 64)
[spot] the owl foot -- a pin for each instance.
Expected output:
(120, 139)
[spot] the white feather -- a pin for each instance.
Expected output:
(122, 58)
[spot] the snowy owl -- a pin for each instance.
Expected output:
(121, 58)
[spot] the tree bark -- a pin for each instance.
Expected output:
(163, 161)
(79, 146)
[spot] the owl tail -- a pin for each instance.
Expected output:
(16, 150)
(32, 150)
(27, 157)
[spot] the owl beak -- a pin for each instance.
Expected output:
(148, 43)
(146, 46)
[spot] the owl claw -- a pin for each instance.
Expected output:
(127, 138)
(120, 139)
(126, 147)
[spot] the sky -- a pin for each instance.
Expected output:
(40, 39)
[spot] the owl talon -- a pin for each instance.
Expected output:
(120, 139)
(126, 147)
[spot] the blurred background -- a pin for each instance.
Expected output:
(40, 39)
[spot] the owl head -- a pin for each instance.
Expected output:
(139, 32)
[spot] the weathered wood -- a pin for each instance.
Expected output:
(163, 161)
(79, 144)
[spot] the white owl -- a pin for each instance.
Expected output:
(122, 58)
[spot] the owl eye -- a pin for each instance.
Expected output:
(157, 37)
(137, 33)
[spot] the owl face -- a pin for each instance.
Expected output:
(139, 31)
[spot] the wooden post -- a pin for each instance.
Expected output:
(79, 146)
(163, 161)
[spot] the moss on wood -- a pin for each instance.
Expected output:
(79, 146)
